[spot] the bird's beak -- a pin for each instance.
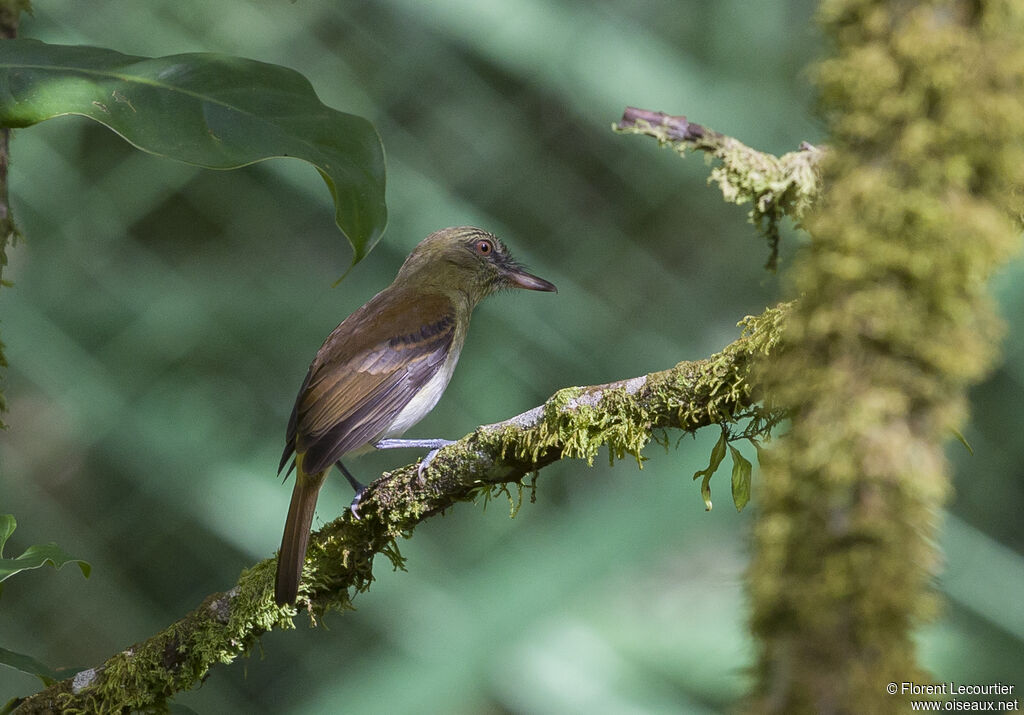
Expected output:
(521, 279)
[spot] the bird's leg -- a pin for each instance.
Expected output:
(434, 445)
(357, 485)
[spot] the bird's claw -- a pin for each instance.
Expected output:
(435, 446)
(357, 485)
(354, 506)
(425, 462)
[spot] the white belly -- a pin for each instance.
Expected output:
(425, 399)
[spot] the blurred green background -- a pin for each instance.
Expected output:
(162, 318)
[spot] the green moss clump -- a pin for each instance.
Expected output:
(775, 187)
(576, 422)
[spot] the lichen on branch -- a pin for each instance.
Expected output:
(775, 186)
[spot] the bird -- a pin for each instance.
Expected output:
(384, 368)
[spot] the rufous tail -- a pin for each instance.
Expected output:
(296, 536)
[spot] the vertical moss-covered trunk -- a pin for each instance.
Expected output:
(925, 107)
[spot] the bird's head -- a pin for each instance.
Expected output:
(469, 261)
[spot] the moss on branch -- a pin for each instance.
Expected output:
(575, 423)
(775, 186)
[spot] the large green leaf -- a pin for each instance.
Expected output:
(211, 110)
(28, 664)
(34, 556)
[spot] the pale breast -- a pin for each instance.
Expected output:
(427, 397)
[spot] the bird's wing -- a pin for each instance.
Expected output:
(289, 444)
(351, 396)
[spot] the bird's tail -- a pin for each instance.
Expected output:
(296, 536)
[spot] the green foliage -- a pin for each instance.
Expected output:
(717, 455)
(35, 556)
(210, 110)
(741, 469)
(29, 665)
(741, 466)
(963, 440)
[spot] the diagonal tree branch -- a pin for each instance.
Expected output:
(573, 424)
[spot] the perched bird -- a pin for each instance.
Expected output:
(385, 367)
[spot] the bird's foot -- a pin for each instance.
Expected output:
(354, 506)
(434, 445)
(425, 462)
(358, 486)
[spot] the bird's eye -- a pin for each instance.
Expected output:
(484, 247)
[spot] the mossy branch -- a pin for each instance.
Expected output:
(775, 186)
(575, 423)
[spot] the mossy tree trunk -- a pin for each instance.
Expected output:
(925, 106)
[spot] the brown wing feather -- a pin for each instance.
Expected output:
(365, 373)
(289, 442)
